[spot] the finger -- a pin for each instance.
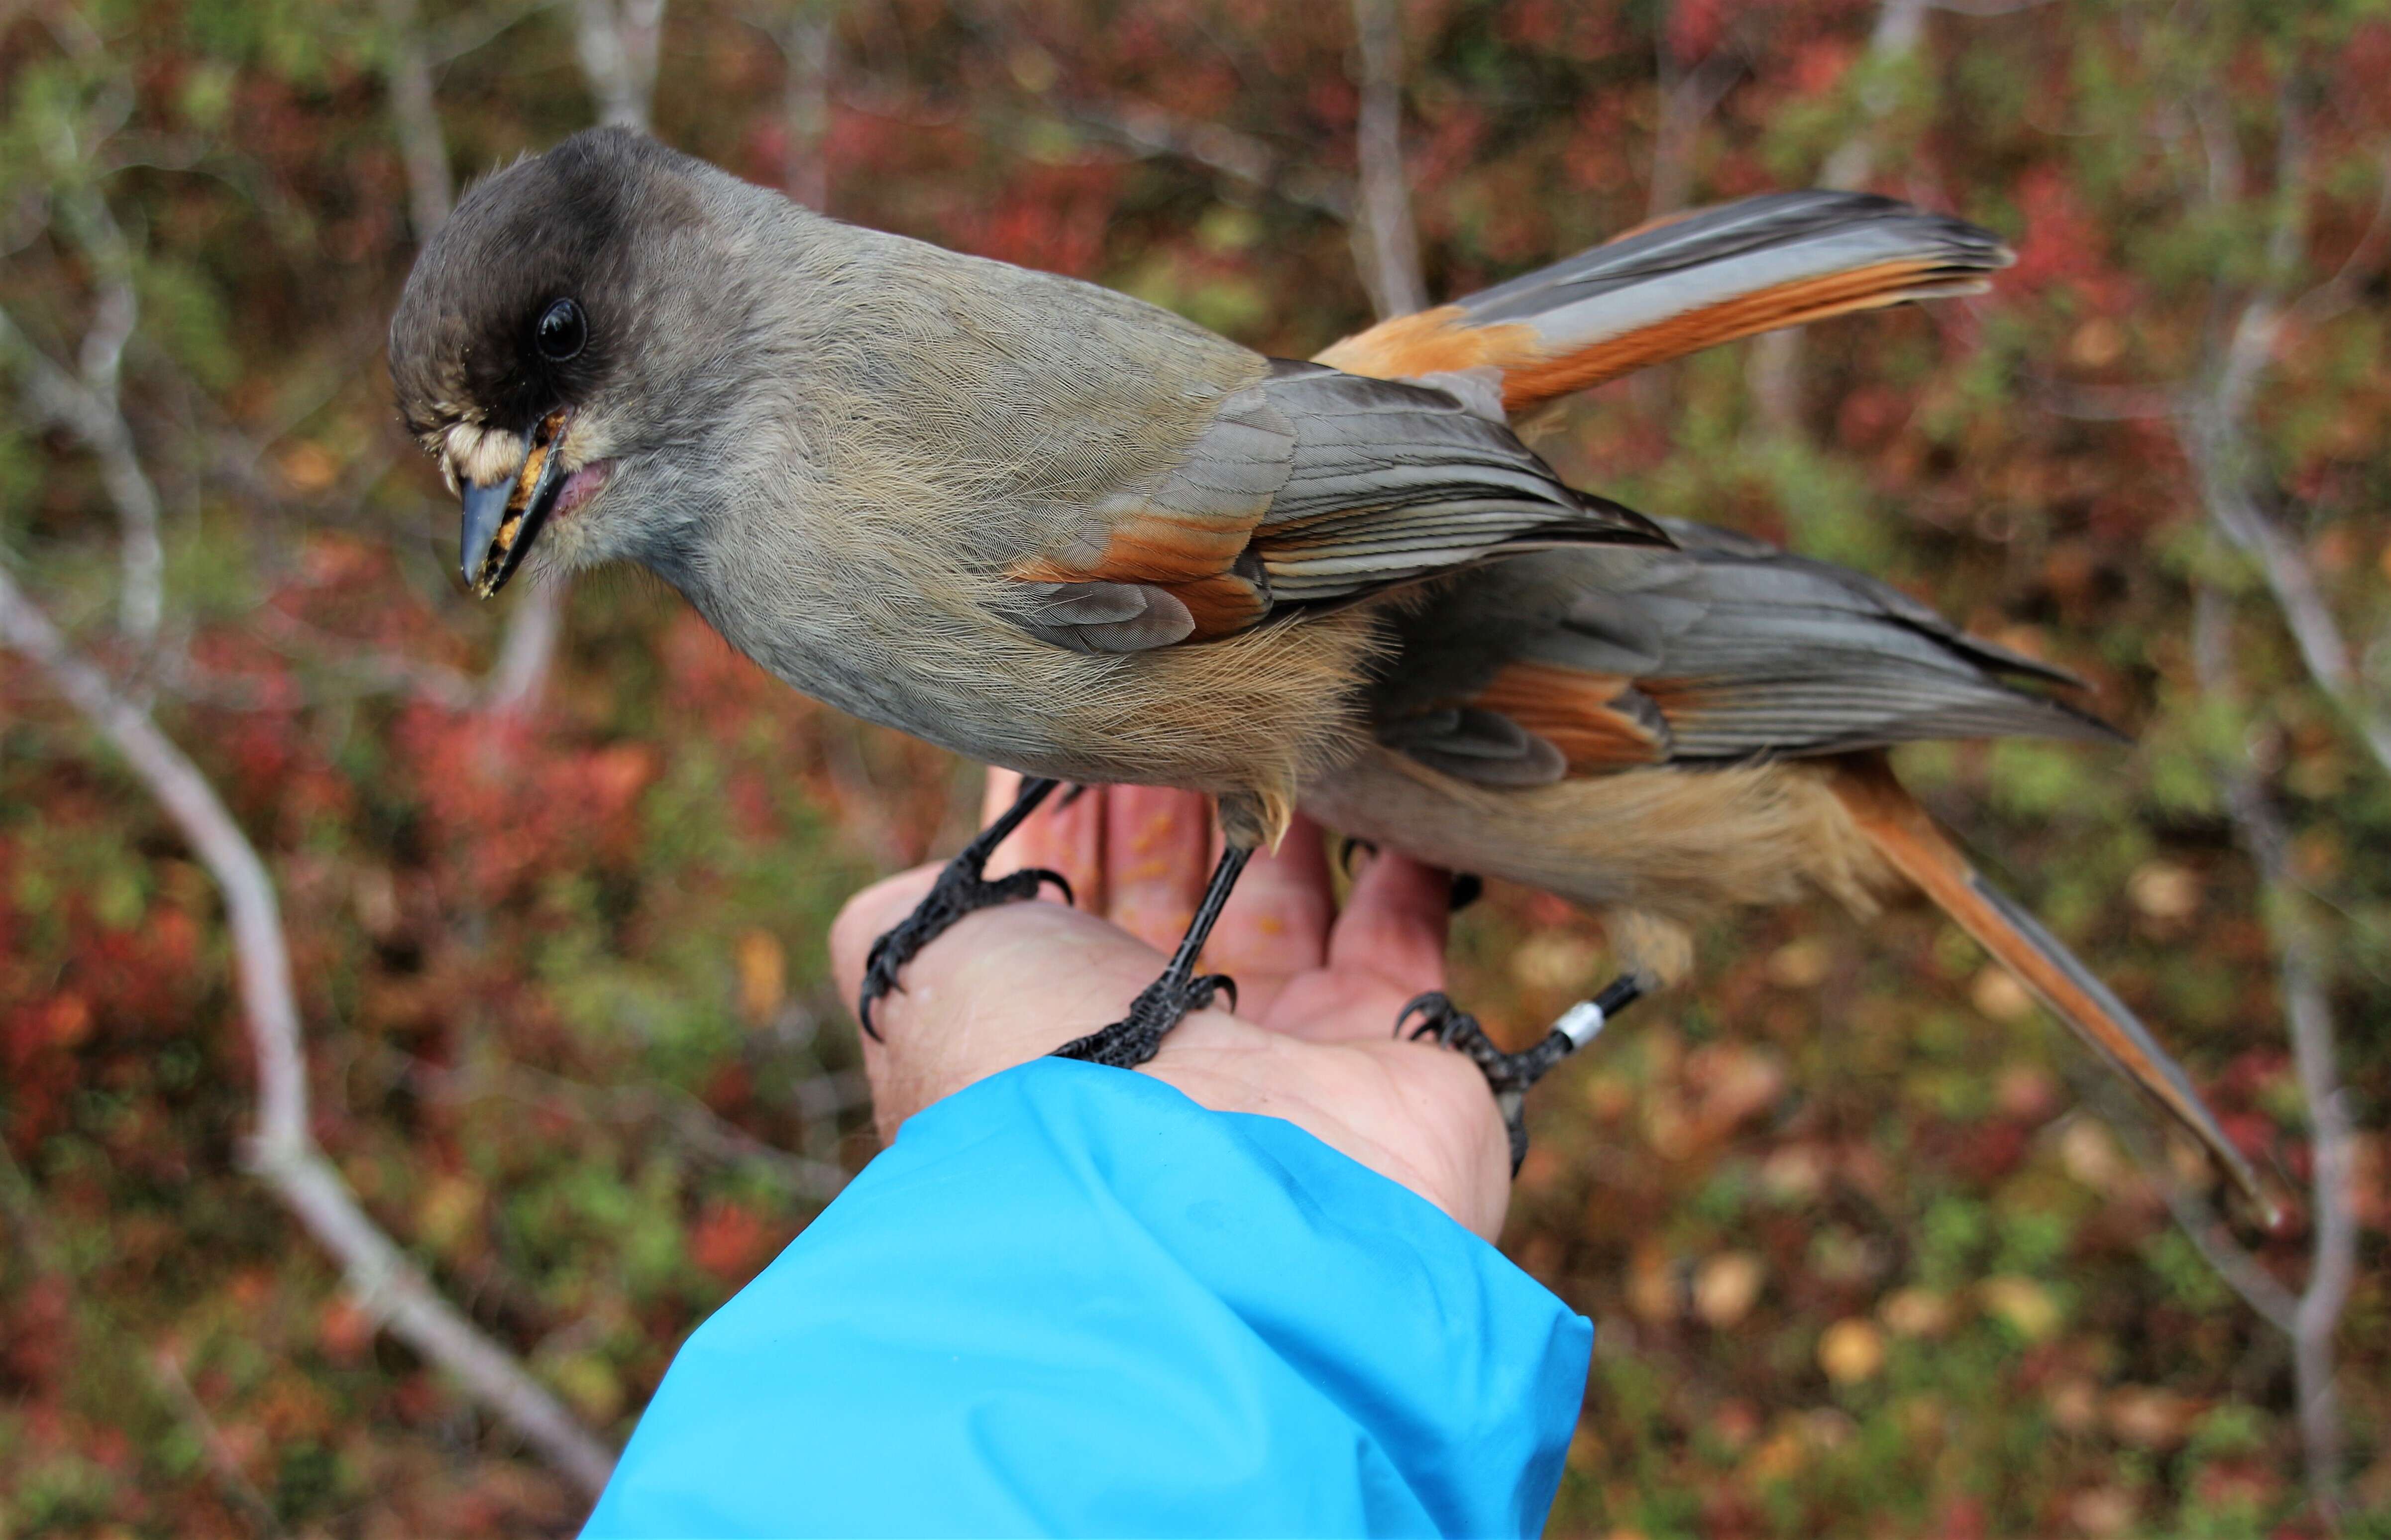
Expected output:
(1277, 921)
(1394, 923)
(1069, 839)
(997, 794)
(1158, 854)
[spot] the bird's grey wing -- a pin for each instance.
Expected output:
(1306, 489)
(1722, 651)
(1393, 479)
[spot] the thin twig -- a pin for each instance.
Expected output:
(1687, 99)
(807, 44)
(32, 1241)
(1773, 371)
(1146, 130)
(2215, 433)
(527, 650)
(697, 1125)
(2301, 970)
(88, 403)
(617, 41)
(1386, 242)
(431, 187)
(166, 1371)
(283, 1151)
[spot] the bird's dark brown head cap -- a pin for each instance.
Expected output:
(528, 294)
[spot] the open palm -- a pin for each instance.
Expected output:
(1318, 990)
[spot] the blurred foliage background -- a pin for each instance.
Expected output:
(1872, 1247)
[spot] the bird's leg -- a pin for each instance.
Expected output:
(961, 888)
(1509, 1075)
(1133, 1039)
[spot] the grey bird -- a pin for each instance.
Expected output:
(1055, 528)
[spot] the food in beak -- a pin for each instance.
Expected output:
(501, 518)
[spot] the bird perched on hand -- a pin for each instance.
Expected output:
(1057, 529)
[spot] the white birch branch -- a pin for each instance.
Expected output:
(88, 401)
(1774, 368)
(2213, 429)
(423, 147)
(617, 41)
(2301, 964)
(1386, 242)
(283, 1151)
(807, 46)
(1687, 99)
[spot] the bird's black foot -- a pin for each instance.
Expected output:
(961, 889)
(1510, 1075)
(1158, 1008)
(1133, 1039)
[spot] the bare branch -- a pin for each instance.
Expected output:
(1384, 241)
(462, 34)
(1146, 130)
(807, 43)
(1687, 99)
(2301, 969)
(89, 407)
(527, 650)
(166, 1371)
(617, 41)
(2215, 433)
(32, 1240)
(283, 1151)
(1987, 7)
(1774, 371)
(2107, 403)
(2260, 1290)
(694, 1123)
(2365, 259)
(431, 189)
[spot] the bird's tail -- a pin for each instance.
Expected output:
(1673, 287)
(1902, 832)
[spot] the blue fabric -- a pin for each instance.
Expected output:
(1070, 1301)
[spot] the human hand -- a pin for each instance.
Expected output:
(1318, 991)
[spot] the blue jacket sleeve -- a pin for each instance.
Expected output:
(1070, 1301)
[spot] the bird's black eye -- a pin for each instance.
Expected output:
(562, 332)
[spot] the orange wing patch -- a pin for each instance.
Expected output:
(1599, 721)
(1191, 559)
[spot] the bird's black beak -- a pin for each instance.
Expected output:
(502, 517)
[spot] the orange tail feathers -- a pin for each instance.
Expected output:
(1676, 287)
(1905, 836)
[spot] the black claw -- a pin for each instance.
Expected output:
(1467, 888)
(963, 889)
(1507, 1075)
(1136, 1037)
